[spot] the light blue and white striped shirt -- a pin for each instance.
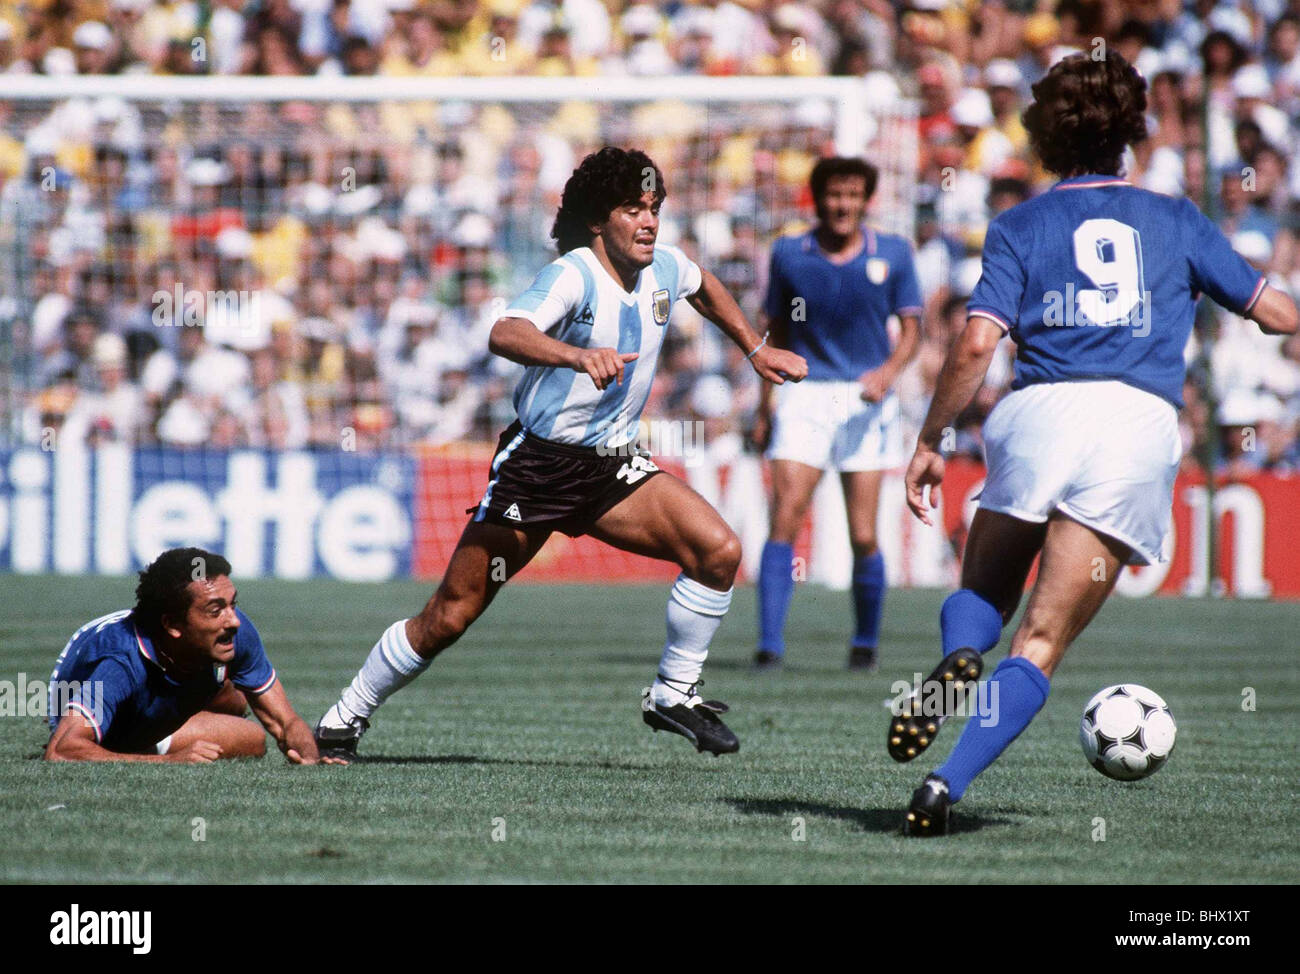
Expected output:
(576, 301)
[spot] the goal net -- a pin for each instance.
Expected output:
(251, 312)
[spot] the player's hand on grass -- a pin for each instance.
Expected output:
(925, 470)
(778, 364)
(604, 365)
(875, 384)
(200, 752)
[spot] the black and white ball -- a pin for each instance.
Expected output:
(1127, 732)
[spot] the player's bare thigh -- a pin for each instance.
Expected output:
(862, 505)
(668, 520)
(793, 484)
(486, 557)
(1000, 551)
(1078, 571)
(236, 736)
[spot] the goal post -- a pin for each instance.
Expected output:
(357, 163)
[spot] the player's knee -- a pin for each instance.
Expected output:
(720, 560)
(256, 744)
(863, 543)
(450, 618)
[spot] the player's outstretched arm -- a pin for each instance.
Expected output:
(1275, 313)
(290, 731)
(714, 302)
(962, 374)
(519, 340)
(74, 740)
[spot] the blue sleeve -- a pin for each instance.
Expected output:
(1217, 269)
(98, 698)
(1002, 280)
(907, 290)
(774, 305)
(250, 670)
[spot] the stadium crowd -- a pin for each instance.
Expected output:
(320, 275)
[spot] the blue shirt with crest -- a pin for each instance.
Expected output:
(110, 674)
(836, 315)
(1099, 279)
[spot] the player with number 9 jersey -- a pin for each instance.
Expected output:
(1096, 281)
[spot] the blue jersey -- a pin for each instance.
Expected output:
(575, 300)
(1097, 279)
(835, 314)
(109, 673)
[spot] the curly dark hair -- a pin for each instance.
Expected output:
(605, 180)
(1085, 112)
(832, 166)
(164, 585)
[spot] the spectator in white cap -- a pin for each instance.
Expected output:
(113, 414)
(986, 147)
(1248, 425)
(643, 53)
(1006, 83)
(94, 47)
(1255, 94)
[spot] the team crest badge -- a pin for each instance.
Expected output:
(661, 306)
(877, 270)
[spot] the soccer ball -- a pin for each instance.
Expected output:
(1127, 732)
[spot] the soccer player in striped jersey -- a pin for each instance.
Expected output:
(830, 295)
(170, 679)
(1096, 281)
(589, 329)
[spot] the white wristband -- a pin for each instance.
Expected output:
(751, 355)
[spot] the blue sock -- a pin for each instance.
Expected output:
(969, 621)
(868, 598)
(1016, 691)
(775, 589)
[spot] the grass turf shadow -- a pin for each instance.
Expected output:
(882, 820)
(601, 764)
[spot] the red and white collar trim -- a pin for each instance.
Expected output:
(144, 649)
(1096, 182)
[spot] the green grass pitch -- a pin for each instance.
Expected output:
(521, 756)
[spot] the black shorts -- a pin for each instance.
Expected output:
(536, 483)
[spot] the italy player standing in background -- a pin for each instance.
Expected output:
(1096, 280)
(589, 329)
(830, 294)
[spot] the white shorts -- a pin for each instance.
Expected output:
(829, 426)
(1103, 453)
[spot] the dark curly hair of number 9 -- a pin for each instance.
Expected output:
(163, 589)
(605, 180)
(1085, 112)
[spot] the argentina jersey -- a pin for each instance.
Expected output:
(1097, 279)
(576, 301)
(836, 315)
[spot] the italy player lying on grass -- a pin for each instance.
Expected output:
(1096, 281)
(171, 679)
(589, 329)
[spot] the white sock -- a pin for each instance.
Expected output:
(391, 665)
(694, 613)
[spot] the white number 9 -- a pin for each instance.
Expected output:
(1110, 254)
